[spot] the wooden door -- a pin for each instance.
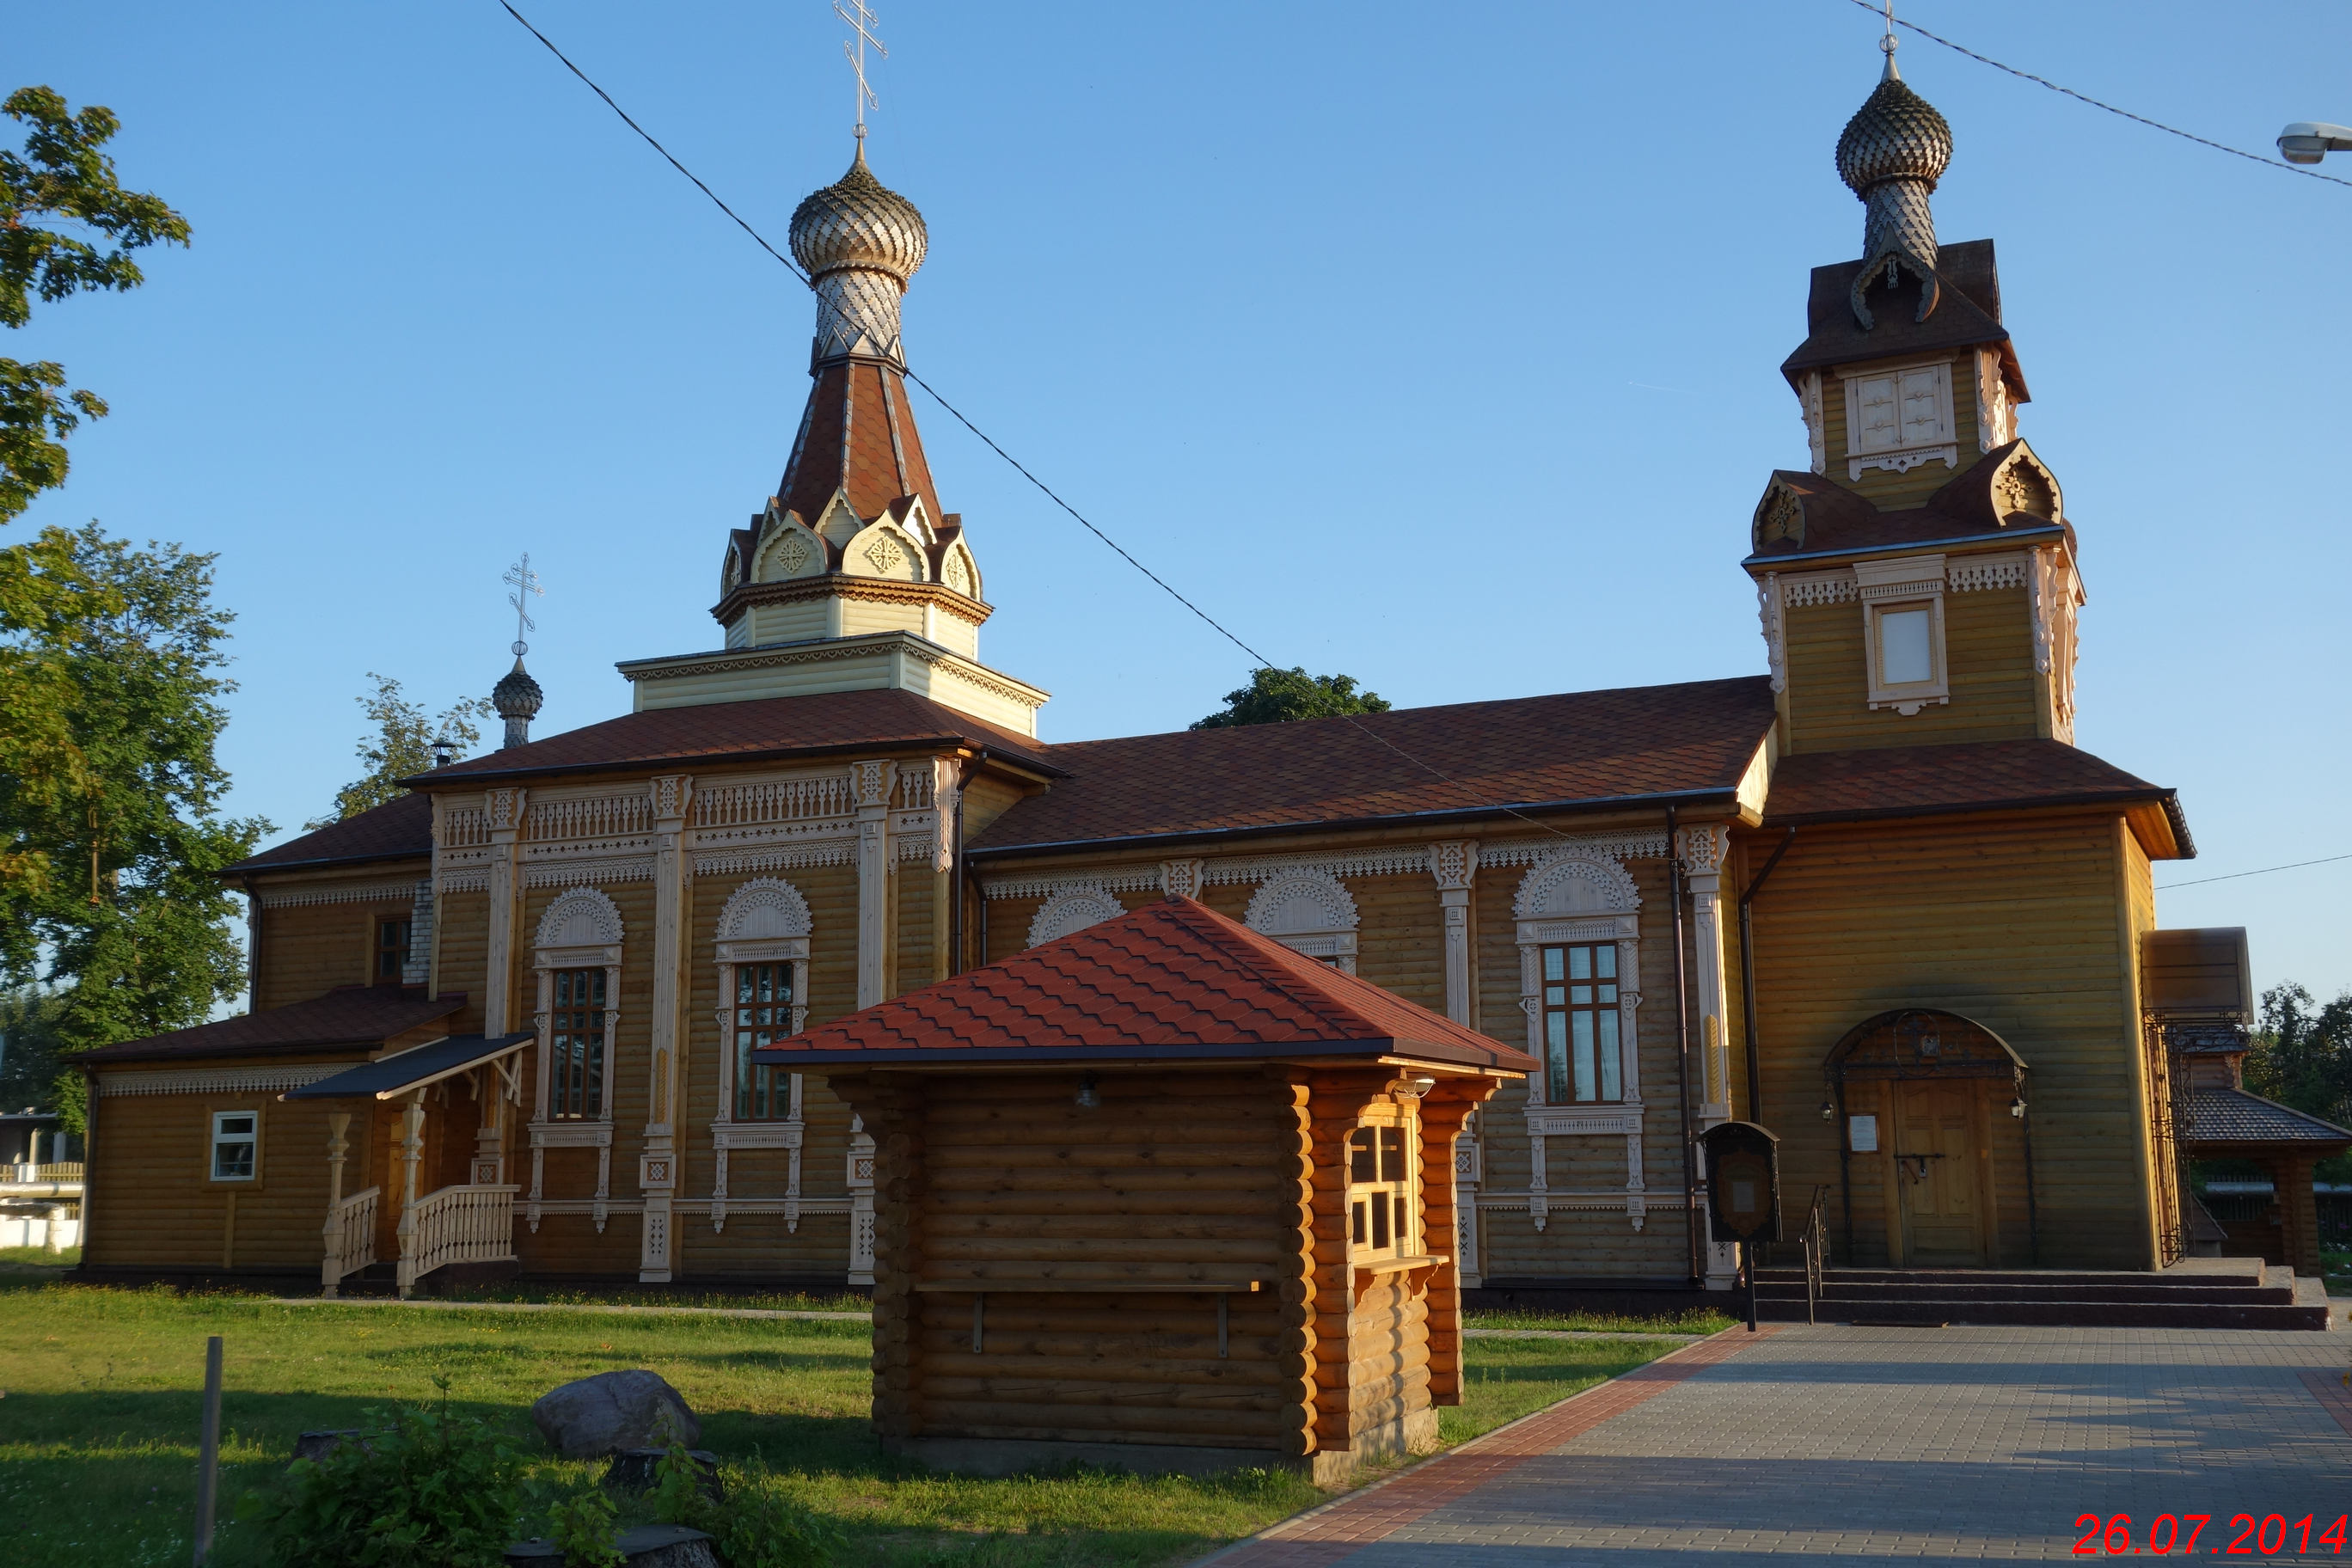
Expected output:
(1935, 1175)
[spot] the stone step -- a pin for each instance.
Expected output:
(2248, 1295)
(2254, 1273)
(1928, 1310)
(2255, 1296)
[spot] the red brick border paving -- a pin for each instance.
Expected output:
(1325, 1535)
(2329, 1388)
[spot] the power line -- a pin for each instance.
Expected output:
(1018, 467)
(2280, 165)
(2265, 871)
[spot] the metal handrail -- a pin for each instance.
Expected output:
(1816, 1240)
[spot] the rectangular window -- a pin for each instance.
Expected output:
(1906, 646)
(575, 1044)
(763, 1015)
(1379, 1213)
(1581, 1060)
(390, 950)
(236, 1137)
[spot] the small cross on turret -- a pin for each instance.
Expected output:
(517, 696)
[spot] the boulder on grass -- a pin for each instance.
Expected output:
(614, 1412)
(636, 1470)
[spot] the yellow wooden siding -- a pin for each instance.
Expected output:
(307, 949)
(2010, 920)
(1989, 653)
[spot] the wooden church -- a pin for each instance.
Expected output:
(541, 1012)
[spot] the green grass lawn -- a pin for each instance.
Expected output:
(99, 1408)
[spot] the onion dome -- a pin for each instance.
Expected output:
(858, 222)
(1890, 155)
(517, 698)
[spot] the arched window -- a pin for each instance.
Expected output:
(577, 957)
(763, 956)
(1308, 911)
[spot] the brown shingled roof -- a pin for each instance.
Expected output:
(1979, 775)
(764, 727)
(396, 830)
(346, 1016)
(881, 460)
(1968, 311)
(1171, 981)
(1579, 747)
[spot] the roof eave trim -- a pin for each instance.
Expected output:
(922, 743)
(1962, 809)
(261, 869)
(1333, 823)
(1467, 1058)
(2030, 531)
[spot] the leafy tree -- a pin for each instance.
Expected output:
(402, 746)
(111, 832)
(62, 174)
(1277, 696)
(29, 1045)
(2303, 1057)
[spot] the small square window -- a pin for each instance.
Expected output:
(236, 1137)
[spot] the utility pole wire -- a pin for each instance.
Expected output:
(2278, 163)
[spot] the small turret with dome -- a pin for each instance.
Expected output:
(1890, 156)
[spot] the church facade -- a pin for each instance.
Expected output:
(1872, 897)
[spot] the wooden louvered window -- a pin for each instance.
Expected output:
(1582, 1062)
(575, 1043)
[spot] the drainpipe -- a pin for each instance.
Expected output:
(1748, 981)
(1681, 1066)
(955, 910)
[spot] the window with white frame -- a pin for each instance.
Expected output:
(1582, 1062)
(765, 1007)
(1380, 1193)
(1903, 631)
(1899, 417)
(235, 1145)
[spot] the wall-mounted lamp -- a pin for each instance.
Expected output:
(2017, 1107)
(1088, 1099)
(1829, 1112)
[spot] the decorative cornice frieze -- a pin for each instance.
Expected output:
(466, 879)
(1399, 860)
(1116, 879)
(832, 650)
(574, 873)
(1802, 590)
(1644, 844)
(218, 1080)
(840, 585)
(1974, 573)
(345, 893)
(776, 856)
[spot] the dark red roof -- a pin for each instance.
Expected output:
(396, 830)
(1980, 776)
(348, 1016)
(881, 460)
(1467, 759)
(1838, 521)
(1173, 981)
(763, 727)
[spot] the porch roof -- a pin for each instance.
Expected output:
(388, 1076)
(2232, 1116)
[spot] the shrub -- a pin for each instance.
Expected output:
(756, 1526)
(427, 1491)
(583, 1525)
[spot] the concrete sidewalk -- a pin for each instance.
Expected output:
(1874, 1444)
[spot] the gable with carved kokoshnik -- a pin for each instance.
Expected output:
(841, 805)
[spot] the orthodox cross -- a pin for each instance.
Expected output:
(1887, 42)
(525, 582)
(861, 19)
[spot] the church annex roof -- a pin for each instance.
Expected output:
(347, 1016)
(399, 829)
(1171, 981)
(1639, 743)
(2234, 1116)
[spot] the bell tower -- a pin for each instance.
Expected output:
(1918, 580)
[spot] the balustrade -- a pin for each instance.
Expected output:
(350, 1239)
(456, 1225)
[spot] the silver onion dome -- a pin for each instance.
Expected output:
(517, 698)
(861, 242)
(1890, 155)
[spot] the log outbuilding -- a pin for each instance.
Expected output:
(1162, 1194)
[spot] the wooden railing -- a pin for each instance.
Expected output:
(456, 1225)
(350, 1239)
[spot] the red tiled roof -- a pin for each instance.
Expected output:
(1584, 746)
(1173, 981)
(348, 1016)
(394, 830)
(1980, 776)
(767, 726)
(881, 460)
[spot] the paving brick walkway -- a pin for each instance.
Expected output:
(1864, 1446)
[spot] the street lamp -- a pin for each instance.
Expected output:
(2305, 141)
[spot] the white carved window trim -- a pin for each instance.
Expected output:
(1072, 909)
(1612, 915)
(765, 920)
(1900, 454)
(1330, 938)
(1912, 583)
(549, 952)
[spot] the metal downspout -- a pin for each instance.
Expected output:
(955, 911)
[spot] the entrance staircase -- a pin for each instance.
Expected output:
(2195, 1293)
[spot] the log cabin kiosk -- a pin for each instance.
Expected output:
(1161, 1194)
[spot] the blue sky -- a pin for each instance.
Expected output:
(1433, 345)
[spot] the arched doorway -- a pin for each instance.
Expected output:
(1931, 1106)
